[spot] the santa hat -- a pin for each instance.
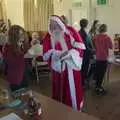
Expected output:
(59, 22)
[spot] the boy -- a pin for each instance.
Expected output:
(102, 43)
(88, 52)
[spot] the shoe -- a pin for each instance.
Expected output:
(100, 91)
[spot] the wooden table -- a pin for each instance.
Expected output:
(53, 110)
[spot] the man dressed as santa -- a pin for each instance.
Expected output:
(63, 49)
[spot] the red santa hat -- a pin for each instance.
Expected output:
(59, 21)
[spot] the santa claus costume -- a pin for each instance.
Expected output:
(63, 49)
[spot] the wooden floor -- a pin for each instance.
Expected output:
(106, 108)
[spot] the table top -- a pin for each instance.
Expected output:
(53, 110)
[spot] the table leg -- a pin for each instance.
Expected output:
(108, 72)
(36, 69)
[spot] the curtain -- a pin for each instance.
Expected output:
(3, 14)
(36, 14)
(29, 14)
(45, 9)
(1, 11)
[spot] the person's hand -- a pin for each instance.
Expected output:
(32, 42)
(20, 44)
(63, 54)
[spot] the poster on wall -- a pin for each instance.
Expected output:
(102, 2)
(77, 3)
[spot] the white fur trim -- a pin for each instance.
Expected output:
(81, 105)
(72, 88)
(75, 44)
(76, 61)
(76, 58)
(56, 63)
(79, 45)
(47, 55)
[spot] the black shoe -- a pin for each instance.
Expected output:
(103, 91)
(100, 91)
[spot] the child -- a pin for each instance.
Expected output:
(36, 48)
(35, 38)
(102, 43)
(88, 52)
(13, 55)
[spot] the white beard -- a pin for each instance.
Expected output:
(59, 38)
(55, 36)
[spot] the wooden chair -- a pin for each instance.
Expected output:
(41, 68)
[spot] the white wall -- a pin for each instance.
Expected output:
(109, 14)
(79, 13)
(15, 11)
(62, 8)
(74, 14)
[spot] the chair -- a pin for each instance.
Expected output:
(41, 68)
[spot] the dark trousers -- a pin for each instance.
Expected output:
(91, 70)
(100, 71)
(85, 67)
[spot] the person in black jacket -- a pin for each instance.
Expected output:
(88, 52)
